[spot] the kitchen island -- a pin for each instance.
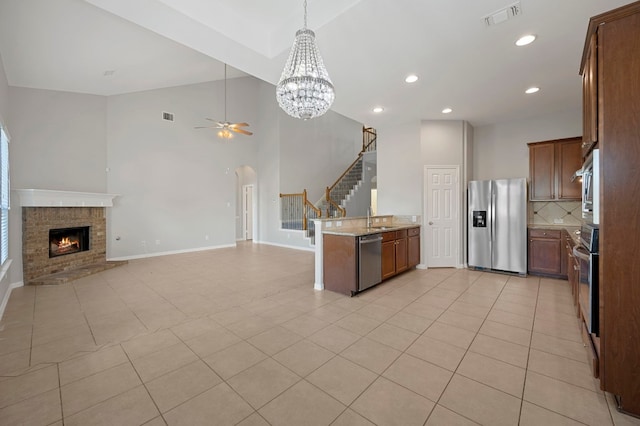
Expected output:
(355, 254)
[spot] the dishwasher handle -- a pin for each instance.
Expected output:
(368, 241)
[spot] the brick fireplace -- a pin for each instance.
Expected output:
(46, 211)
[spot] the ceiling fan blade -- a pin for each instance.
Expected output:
(244, 132)
(239, 125)
(205, 127)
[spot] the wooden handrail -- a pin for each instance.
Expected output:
(368, 141)
(305, 203)
(343, 212)
(344, 173)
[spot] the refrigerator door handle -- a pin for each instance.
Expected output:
(492, 208)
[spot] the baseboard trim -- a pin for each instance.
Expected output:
(166, 253)
(5, 300)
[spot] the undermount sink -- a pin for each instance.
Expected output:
(382, 228)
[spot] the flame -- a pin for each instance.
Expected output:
(66, 243)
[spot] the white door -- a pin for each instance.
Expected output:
(441, 213)
(247, 212)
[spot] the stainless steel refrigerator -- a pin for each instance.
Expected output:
(497, 228)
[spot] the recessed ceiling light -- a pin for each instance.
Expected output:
(447, 110)
(524, 40)
(378, 109)
(411, 78)
(531, 90)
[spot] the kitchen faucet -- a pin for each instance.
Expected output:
(369, 212)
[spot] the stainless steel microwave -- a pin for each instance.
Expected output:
(591, 188)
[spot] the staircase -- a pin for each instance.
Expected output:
(342, 190)
(336, 197)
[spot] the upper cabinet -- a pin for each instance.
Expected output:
(590, 96)
(551, 168)
(613, 42)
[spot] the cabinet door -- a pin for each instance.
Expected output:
(401, 255)
(413, 249)
(590, 97)
(542, 171)
(388, 259)
(569, 159)
(545, 256)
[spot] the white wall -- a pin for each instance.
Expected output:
(500, 150)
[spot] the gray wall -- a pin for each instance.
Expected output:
(177, 184)
(500, 150)
(58, 141)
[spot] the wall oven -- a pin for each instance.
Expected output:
(591, 188)
(588, 289)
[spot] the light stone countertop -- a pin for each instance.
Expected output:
(358, 231)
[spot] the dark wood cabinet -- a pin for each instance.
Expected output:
(551, 168)
(616, 51)
(413, 246)
(394, 253)
(340, 263)
(590, 97)
(573, 274)
(388, 255)
(546, 253)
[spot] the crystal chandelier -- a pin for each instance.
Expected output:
(305, 89)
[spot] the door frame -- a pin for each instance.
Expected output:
(458, 238)
(248, 209)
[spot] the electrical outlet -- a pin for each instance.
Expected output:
(558, 221)
(327, 225)
(206, 238)
(414, 219)
(143, 243)
(339, 223)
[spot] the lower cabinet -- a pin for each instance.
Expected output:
(413, 246)
(547, 254)
(573, 271)
(340, 263)
(400, 251)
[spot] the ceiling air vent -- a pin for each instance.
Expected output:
(168, 116)
(503, 14)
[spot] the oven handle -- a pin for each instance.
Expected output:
(581, 253)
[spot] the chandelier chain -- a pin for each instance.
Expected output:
(305, 14)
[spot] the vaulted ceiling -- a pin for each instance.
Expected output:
(109, 47)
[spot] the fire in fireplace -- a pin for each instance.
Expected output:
(68, 240)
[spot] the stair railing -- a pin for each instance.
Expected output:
(296, 210)
(369, 139)
(329, 199)
(332, 206)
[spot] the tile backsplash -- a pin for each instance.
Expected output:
(568, 213)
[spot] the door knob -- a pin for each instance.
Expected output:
(430, 223)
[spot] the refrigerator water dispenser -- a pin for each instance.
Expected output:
(479, 218)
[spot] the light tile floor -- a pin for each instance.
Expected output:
(239, 336)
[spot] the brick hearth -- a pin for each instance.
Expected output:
(38, 268)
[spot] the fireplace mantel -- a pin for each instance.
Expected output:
(50, 198)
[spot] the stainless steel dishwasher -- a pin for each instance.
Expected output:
(369, 261)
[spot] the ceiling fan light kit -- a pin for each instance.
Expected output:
(225, 127)
(305, 90)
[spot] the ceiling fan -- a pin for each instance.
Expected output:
(226, 127)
